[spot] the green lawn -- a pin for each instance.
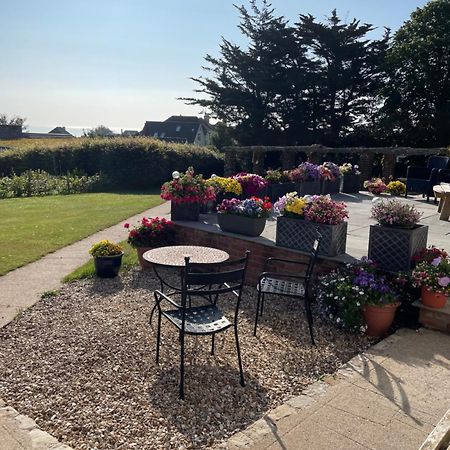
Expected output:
(32, 227)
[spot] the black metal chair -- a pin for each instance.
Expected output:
(206, 282)
(422, 179)
(288, 284)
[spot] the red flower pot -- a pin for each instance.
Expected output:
(433, 299)
(379, 318)
(140, 252)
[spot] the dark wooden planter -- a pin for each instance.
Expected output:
(108, 266)
(189, 212)
(275, 191)
(308, 188)
(350, 183)
(248, 226)
(330, 187)
(392, 248)
(299, 234)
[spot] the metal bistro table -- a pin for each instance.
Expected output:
(173, 257)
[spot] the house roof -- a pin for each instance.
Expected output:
(60, 130)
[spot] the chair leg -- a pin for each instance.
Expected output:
(310, 320)
(428, 198)
(158, 337)
(181, 365)
(263, 297)
(257, 312)
(212, 344)
(238, 349)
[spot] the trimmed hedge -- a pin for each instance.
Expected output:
(130, 163)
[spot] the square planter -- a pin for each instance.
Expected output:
(248, 226)
(392, 248)
(189, 212)
(299, 235)
(350, 183)
(330, 187)
(308, 188)
(275, 191)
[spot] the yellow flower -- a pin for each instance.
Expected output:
(296, 205)
(226, 185)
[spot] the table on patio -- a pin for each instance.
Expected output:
(442, 192)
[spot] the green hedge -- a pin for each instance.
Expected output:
(133, 163)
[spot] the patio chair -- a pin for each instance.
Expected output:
(422, 179)
(207, 283)
(288, 284)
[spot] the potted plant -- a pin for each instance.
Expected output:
(375, 186)
(301, 217)
(186, 193)
(279, 184)
(396, 188)
(357, 298)
(107, 258)
(433, 278)
(148, 234)
(252, 184)
(350, 178)
(330, 177)
(246, 217)
(306, 178)
(397, 236)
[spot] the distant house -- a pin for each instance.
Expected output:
(184, 129)
(130, 133)
(60, 130)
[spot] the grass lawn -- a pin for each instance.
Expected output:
(32, 227)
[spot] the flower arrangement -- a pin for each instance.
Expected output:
(105, 248)
(329, 171)
(434, 275)
(316, 208)
(252, 207)
(251, 183)
(343, 293)
(393, 213)
(349, 169)
(375, 186)
(396, 187)
(224, 185)
(155, 232)
(277, 176)
(429, 254)
(305, 172)
(187, 188)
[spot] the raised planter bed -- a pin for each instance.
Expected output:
(185, 211)
(330, 187)
(275, 191)
(248, 226)
(308, 188)
(350, 183)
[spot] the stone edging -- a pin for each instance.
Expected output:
(439, 438)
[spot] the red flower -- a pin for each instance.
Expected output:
(126, 225)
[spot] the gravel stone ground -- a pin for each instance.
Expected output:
(82, 365)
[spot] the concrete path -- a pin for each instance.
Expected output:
(391, 397)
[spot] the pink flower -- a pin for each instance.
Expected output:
(444, 281)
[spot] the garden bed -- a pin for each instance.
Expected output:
(82, 364)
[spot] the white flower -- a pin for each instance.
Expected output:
(212, 176)
(338, 320)
(358, 304)
(175, 174)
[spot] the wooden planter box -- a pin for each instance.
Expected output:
(392, 248)
(330, 187)
(351, 183)
(189, 212)
(308, 188)
(299, 234)
(275, 191)
(247, 226)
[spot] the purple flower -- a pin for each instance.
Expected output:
(444, 281)
(436, 261)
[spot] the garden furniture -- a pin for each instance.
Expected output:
(422, 179)
(288, 284)
(442, 192)
(198, 281)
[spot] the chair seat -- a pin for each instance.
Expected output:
(282, 287)
(205, 319)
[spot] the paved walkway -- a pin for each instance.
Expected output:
(391, 397)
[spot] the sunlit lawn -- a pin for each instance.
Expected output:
(32, 227)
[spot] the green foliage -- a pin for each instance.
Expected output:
(105, 248)
(14, 120)
(49, 294)
(99, 131)
(130, 163)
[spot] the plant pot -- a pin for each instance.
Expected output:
(432, 299)
(379, 318)
(248, 226)
(330, 186)
(350, 183)
(299, 234)
(189, 212)
(275, 191)
(308, 188)
(140, 253)
(108, 266)
(393, 248)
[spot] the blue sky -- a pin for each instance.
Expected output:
(121, 62)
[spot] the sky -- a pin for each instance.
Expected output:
(82, 63)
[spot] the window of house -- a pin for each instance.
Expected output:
(155, 134)
(162, 134)
(178, 128)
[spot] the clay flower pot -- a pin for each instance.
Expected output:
(140, 252)
(379, 318)
(432, 299)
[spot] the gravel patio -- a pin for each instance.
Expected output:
(82, 365)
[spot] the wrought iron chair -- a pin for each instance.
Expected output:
(422, 179)
(288, 284)
(207, 283)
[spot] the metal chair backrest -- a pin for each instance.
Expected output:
(438, 162)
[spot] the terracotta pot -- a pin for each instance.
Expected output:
(379, 318)
(432, 299)
(140, 251)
